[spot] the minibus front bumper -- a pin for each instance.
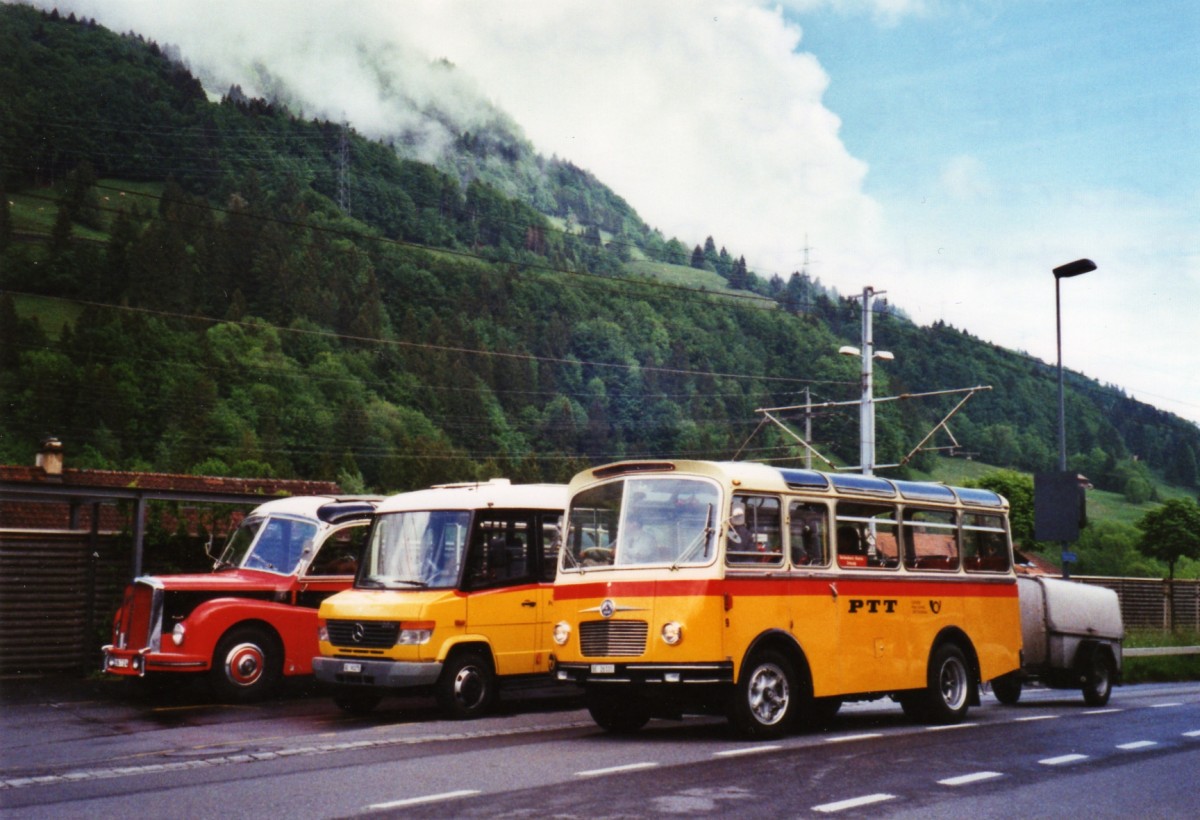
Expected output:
(382, 673)
(647, 674)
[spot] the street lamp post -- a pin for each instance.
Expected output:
(1079, 266)
(866, 409)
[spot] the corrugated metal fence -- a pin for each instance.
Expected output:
(1154, 603)
(58, 590)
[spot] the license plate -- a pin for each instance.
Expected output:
(352, 668)
(118, 663)
(603, 668)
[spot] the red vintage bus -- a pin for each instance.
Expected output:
(254, 618)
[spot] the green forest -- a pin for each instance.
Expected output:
(213, 284)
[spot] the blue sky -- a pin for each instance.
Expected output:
(949, 152)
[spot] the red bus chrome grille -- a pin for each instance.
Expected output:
(606, 639)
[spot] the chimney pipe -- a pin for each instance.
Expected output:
(50, 457)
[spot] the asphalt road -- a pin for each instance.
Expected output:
(93, 748)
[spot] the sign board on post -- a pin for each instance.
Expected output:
(1059, 506)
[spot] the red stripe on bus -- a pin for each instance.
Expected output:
(760, 587)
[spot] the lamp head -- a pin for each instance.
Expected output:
(1074, 268)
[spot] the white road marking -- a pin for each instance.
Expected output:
(1137, 744)
(428, 798)
(1101, 711)
(1192, 734)
(951, 726)
(1061, 759)
(628, 767)
(1036, 717)
(844, 738)
(1164, 705)
(854, 802)
(749, 750)
(964, 779)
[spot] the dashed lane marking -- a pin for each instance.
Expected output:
(417, 801)
(1062, 759)
(749, 750)
(847, 738)
(1101, 711)
(950, 726)
(1192, 734)
(1036, 717)
(974, 777)
(1137, 744)
(854, 802)
(1164, 705)
(628, 767)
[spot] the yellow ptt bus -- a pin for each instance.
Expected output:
(774, 595)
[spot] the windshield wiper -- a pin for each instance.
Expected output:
(702, 539)
(409, 581)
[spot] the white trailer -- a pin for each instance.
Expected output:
(1072, 637)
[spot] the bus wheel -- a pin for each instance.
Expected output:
(1097, 679)
(246, 665)
(1007, 688)
(948, 692)
(615, 714)
(765, 700)
(356, 701)
(467, 685)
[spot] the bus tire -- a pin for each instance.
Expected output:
(1097, 678)
(617, 714)
(947, 694)
(357, 701)
(467, 686)
(247, 664)
(1007, 688)
(766, 696)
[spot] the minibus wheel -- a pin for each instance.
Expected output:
(467, 685)
(764, 701)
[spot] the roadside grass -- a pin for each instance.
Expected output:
(1162, 667)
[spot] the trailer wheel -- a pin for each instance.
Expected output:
(1097, 678)
(1007, 689)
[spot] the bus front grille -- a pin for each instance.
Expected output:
(606, 639)
(377, 634)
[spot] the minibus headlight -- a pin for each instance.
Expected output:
(562, 633)
(177, 634)
(414, 633)
(672, 633)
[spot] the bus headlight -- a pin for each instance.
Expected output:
(562, 633)
(323, 633)
(672, 633)
(177, 634)
(415, 633)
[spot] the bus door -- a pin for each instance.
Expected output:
(812, 591)
(871, 614)
(504, 599)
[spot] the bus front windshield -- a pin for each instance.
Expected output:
(642, 522)
(416, 549)
(275, 544)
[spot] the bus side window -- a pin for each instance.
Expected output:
(807, 534)
(754, 536)
(985, 545)
(866, 536)
(930, 540)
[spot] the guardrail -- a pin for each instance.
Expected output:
(1150, 651)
